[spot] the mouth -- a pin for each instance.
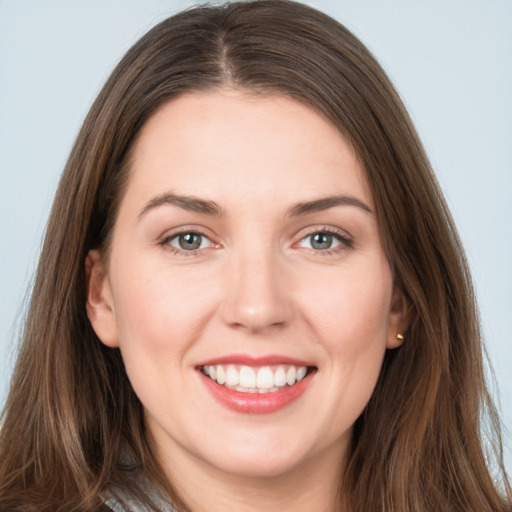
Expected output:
(256, 386)
(261, 380)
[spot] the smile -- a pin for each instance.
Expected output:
(247, 379)
(256, 385)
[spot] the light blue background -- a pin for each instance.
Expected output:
(451, 61)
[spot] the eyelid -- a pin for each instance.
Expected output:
(332, 230)
(346, 239)
(167, 236)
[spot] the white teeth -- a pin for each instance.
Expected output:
(290, 376)
(280, 377)
(247, 377)
(265, 378)
(301, 373)
(221, 374)
(271, 390)
(232, 376)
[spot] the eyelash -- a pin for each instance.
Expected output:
(345, 241)
(166, 242)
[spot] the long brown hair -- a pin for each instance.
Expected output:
(71, 412)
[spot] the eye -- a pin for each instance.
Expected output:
(188, 242)
(326, 241)
(322, 241)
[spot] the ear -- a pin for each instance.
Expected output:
(100, 304)
(398, 319)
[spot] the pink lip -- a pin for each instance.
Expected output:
(247, 360)
(255, 403)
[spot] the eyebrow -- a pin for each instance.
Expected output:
(189, 203)
(324, 203)
(195, 204)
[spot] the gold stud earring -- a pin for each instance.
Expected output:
(400, 336)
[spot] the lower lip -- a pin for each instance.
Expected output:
(256, 403)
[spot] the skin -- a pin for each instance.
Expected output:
(256, 286)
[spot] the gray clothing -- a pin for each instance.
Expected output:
(135, 506)
(115, 506)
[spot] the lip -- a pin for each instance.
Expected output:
(248, 360)
(255, 403)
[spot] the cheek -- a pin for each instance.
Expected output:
(350, 323)
(160, 314)
(351, 314)
(158, 309)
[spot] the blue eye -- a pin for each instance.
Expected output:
(324, 241)
(189, 241)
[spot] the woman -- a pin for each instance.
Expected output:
(251, 294)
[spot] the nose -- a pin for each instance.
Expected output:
(257, 298)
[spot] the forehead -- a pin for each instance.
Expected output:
(227, 143)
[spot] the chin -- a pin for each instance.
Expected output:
(260, 467)
(269, 457)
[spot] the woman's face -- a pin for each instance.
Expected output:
(246, 285)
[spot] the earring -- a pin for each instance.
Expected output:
(400, 336)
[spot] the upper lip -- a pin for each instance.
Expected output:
(248, 360)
